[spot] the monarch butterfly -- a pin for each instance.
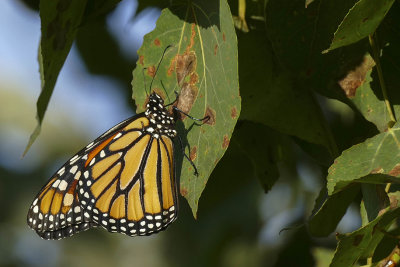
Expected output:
(124, 181)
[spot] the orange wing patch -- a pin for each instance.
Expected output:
(118, 208)
(151, 198)
(135, 211)
(167, 178)
(95, 151)
(134, 156)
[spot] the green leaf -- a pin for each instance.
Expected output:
(327, 217)
(59, 24)
(361, 20)
(322, 256)
(369, 162)
(202, 66)
(362, 242)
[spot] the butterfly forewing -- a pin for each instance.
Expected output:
(55, 212)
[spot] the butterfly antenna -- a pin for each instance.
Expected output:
(169, 100)
(158, 65)
(144, 81)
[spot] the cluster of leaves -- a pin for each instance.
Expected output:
(285, 53)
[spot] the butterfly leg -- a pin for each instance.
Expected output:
(187, 157)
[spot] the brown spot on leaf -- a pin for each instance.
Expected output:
(183, 191)
(212, 116)
(225, 143)
(171, 67)
(151, 71)
(233, 113)
(377, 170)
(357, 240)
(186, 98)
(356, 78)
(223, 37)
(193, 153)
(141, 59)
(185, 65)
(215, 49)
(365, 19)
(395, 171)
(393, 202)
(194, 78)
(193, 34)
(157, 42)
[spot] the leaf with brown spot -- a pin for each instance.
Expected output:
(361, 20)
(356, 78)
(361, 88)
(193, 153)
(225, 143)
(395, 171)
(365, 239)
(151, 70)
(186, 98)
(233, 113)
(380, 153)
(211, 114)
(207, 84)
(185, 65)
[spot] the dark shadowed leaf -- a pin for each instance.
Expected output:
(264, 148)
(271, 96)
(327, 217)
(59, 24)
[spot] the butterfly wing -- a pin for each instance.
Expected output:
(128, 186)
(56, 211)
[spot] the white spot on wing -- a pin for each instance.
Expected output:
(63, 185)
(56, 183)
(73, 169)
(77, 175)
(61, 171)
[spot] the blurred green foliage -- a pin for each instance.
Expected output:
(301, 109)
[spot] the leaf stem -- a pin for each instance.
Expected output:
(376, 54)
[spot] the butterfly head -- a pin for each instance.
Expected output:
(160, 120)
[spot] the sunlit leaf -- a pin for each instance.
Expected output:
(369, 162)
(362, 242)
(201, 65)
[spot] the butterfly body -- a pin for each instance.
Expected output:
(124, 181)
